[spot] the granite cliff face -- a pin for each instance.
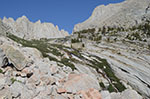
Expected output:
(23, 28)
(125, 14)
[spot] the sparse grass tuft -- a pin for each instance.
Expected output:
(14, 80)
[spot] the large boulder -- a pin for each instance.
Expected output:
(78, 82)
(130, 94)
(77, 45)
(16, 57)
(20, 90)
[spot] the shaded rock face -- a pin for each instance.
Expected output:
(23, 28)
(127, 13)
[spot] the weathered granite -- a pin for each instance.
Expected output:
(127, 13)
(23, 28)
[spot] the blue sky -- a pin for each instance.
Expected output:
(64, 13)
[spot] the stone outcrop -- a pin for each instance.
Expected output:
(16, 57)
(125, 14)
(130, 66)
(90, 94)
(23, 28)
(77, 82)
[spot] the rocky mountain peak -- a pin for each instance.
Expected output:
(22, 19)
(38, 22)
(23, 28)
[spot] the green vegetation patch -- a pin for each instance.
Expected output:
(13, 80)
(111, 88)
(86, 31)
(75, 40)
(134, 36)
(67, 62)
(45, 48)
(104, 66)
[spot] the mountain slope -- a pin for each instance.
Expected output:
(125, 14)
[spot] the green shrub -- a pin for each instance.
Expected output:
(56, 52)
(99, 30)
(128, 37)
(134, 36)
(115, 39)
(13, 80)
(75, 40)
(88, 31)
(119, 86)
(148, 46)
(1, 71)
(103, 30)
(98, 38)
(110, 29)
(83, 45)
(108, 40)
(102, 85)
(111, 88)
(137, 36)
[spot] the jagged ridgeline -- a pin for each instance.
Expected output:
(23, 28)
